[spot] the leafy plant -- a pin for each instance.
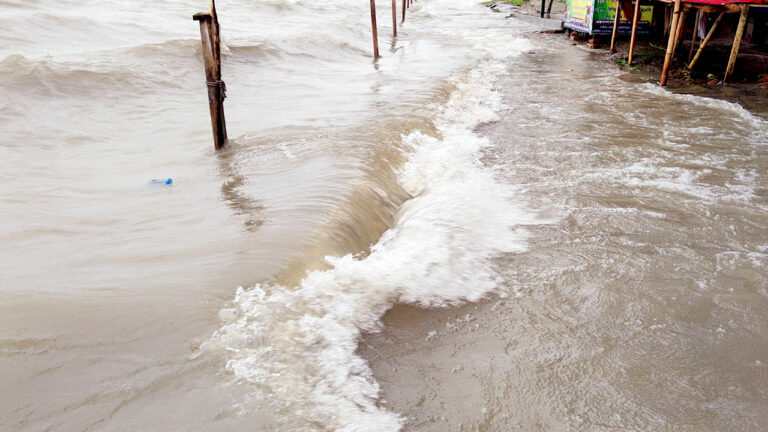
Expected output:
(621, 61)
(644, 54)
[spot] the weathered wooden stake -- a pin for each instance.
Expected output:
(615, 26)
(670, 44)
(216, 36)
(216, 87)
(635, 18)
(695, 30)
(543, 6)
(404, 8)
(394, 18)
(736, 42)
(706, 40)
(373, 26)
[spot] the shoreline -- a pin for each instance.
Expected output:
(599, 295)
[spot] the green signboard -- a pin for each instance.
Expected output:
(597, 16)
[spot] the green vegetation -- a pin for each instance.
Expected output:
(644, 54)
(511, 2)
(622, 61)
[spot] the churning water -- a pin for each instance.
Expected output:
(577, 252)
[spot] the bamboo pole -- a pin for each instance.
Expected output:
(706, 40)
(635, 18)
(615, 26)
(695, 30)
(394, 18)
(736, 42)
(404, 8)
(216, 87)
(670, 44)
(373, 28)
(679, 33)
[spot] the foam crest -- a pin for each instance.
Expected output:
(296, 346)
(738, 112)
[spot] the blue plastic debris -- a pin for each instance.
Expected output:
(160, 181)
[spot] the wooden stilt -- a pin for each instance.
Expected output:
(394, 18)
(695, 30)
(670, 44)
(635, 18)
(404, 8)
(706, 40)
(374, 30)
(216, 87)
(549, 9)
(736, 42)
(543, 6)
(615, 26)
(679, 32)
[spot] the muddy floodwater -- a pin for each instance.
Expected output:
(487, 229)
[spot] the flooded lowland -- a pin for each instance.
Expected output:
(487, 229)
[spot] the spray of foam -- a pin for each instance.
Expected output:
(735, 111)
(296, 346)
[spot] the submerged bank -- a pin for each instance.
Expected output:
(620, 252)
(642, 307)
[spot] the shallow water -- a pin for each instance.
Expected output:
(621, 252)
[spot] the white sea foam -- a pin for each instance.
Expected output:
(738, 112)
(296, 345)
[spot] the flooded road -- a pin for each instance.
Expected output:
(487, 229)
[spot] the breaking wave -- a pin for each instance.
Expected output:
(297, 345)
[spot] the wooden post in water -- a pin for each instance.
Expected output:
(209, 35)
(373, 27)
(706, 40)
(394, 18)
(670, 44)
(736, 42)
(695, 30)
(543, 6)
(615, 26)
(635, 18)
(404, 8)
